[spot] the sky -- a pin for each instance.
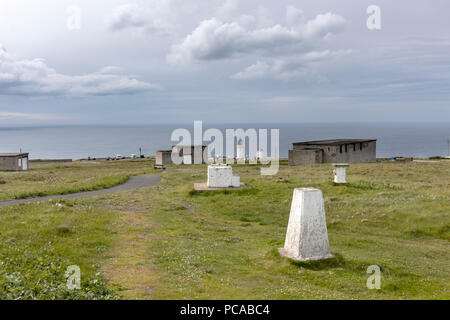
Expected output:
(243, 61)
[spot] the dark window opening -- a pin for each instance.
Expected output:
(360, 146)
(346, 150)
(340, 149)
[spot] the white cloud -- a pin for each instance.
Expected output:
(294, 16)
(35, 78)
(260, 69)
(227, 9)
(214, 39)
(323, 25)
(156, 18)
(285, 68)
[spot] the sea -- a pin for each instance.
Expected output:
(421, 140)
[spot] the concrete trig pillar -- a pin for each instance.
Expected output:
(307, 235)
(339, 170)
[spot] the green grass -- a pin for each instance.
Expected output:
(222, 245)
(170, 242)
(40, 241)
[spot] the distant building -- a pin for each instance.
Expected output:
(187, 153)
(13, 161)
(333, 151)
(163, 157)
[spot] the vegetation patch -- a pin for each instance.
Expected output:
(166, 242)
(39, 243)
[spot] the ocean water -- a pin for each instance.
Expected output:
(76, 142)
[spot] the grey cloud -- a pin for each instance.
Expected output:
(155, 19)
(35, 78)
(286, 68)
(227, 8)
(214, 39)
(294, 16)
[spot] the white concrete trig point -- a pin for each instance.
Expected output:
(307, 235)
(339, 170)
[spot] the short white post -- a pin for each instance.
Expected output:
(307, 235)
(221, 176)
(339, 170)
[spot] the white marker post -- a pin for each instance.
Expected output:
(339, 170)
(221, 176)
(307, 235)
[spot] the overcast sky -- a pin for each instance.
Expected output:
(172, 61)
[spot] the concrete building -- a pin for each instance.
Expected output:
(187, 153)
(13, 161)
(333, 151)
(163, 157)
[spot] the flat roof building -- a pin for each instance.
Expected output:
(333, 151)
(13, 161)
(187, 153)
(163, 157)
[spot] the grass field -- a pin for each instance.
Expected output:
(169, 242)
(60, 178)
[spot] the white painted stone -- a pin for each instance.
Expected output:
(339, 170)
(235, 181)
(221, 176)
(307, 235)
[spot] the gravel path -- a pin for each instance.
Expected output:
(147, 180)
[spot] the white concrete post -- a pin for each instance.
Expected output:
(221, 176)
(307, 235)
(339, 170)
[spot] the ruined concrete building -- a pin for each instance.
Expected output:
(333, 151)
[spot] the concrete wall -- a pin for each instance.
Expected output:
(189, 151)
(8, 163)
(304, 156)
(12, 163)
(329, 153)
(53, 160)
(354, 153)
(346, 153)
(163, 158)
